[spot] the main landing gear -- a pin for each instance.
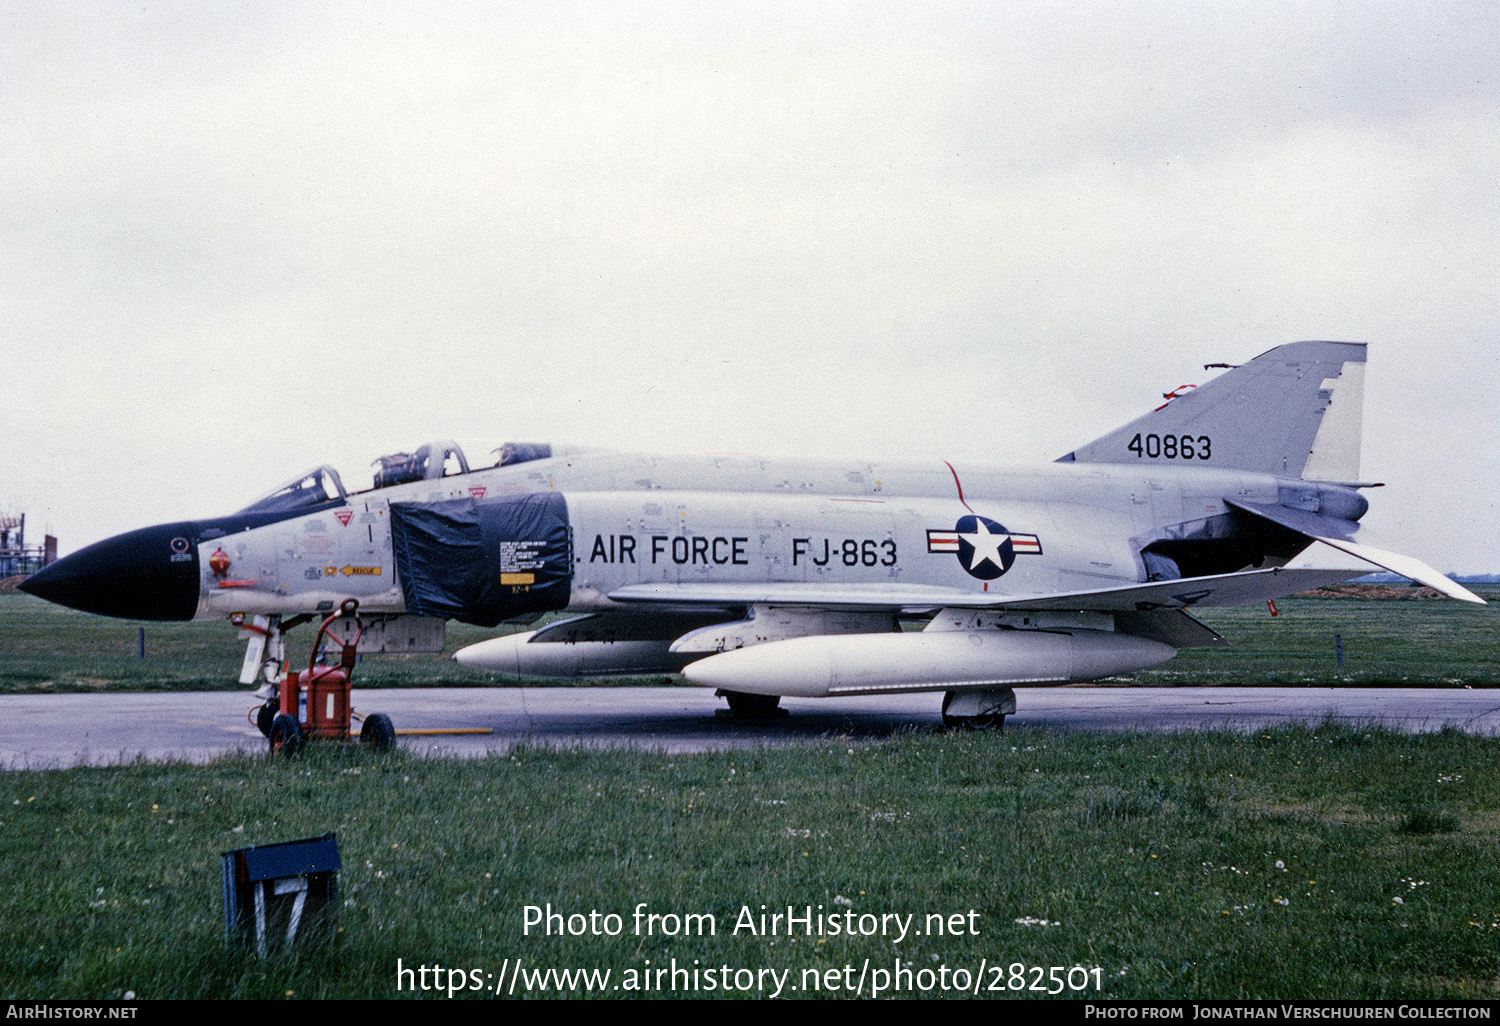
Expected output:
(984, 709)
(745, 706)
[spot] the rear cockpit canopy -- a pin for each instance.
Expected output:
(430, 462)
(512, 453)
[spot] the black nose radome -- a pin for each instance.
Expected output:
(150, 574)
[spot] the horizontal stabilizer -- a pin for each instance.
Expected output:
(1245, 588)
(1342, 534)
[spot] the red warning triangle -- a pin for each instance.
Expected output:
(344, 516)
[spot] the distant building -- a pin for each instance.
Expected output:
(16, 557)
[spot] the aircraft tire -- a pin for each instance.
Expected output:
(378, 732)
(984, 721)
(989, 721)
(286, 735)
(745, 706)
(265, 715)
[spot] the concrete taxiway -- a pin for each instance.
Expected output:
(66, 730)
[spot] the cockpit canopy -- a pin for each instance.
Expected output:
(512, 453)
(430, 462)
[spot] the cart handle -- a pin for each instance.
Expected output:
(348, 608)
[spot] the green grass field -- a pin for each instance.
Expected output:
(1386, 642)
(1438, 643)
(1328, 862)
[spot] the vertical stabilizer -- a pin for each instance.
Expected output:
(1294, 411)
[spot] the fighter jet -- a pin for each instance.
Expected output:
(765, 578)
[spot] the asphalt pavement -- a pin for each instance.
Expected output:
(66, 730)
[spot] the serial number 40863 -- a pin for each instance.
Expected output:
(1172, 447)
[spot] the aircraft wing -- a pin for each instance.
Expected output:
(1341, 534)
(1246, 588)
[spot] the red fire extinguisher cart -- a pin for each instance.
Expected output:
(315, 705)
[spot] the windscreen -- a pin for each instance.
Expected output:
(304, 491)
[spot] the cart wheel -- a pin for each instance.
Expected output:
(265, 715)
(286, 735)
(378, 732)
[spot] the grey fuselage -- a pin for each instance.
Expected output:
(718, 519)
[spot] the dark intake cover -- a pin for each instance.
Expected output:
(483, 561)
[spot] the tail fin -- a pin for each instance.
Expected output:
(1294, 411)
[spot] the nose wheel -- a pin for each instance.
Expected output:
(265, 715)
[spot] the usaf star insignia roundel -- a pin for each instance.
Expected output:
(985, 549)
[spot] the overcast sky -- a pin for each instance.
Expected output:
(242, 239)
